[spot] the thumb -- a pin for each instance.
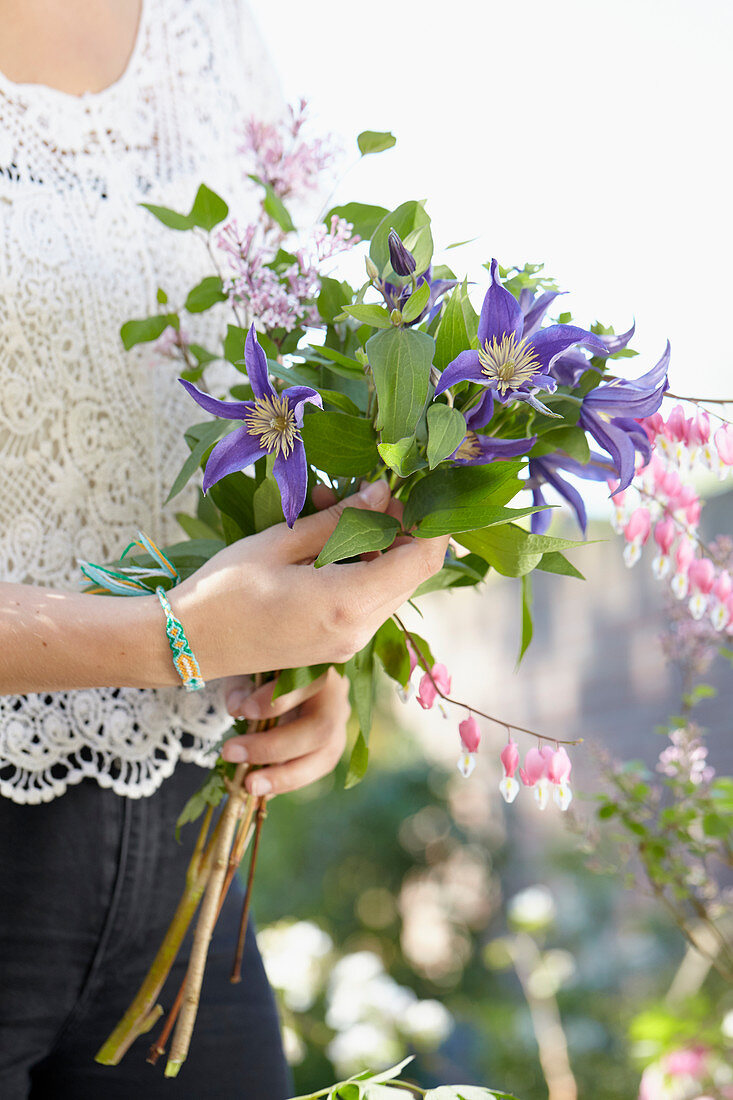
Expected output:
(310, 534)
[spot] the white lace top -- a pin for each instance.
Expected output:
(90, 435)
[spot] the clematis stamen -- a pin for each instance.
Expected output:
(507, 362)
(470, 448)
(272, 420)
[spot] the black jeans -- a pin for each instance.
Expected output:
(88, 885)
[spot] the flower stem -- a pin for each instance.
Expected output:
(471, 709)
(236, 975)
(205, 925)
(143, 1013)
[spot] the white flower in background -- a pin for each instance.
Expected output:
(360, 989)
(532, 909)
(364, 1046)
(295, 956)
(427, 1023)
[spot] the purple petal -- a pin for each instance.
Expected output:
(481, 414)
(256, 362)
(500, 313)
(550, 343)
(538, 308)
(636, 434)
(234, 452)
(291, 475)
(614, 440)
(617, 343)
(297, 397)
(466, 367)
(657, 375)
(567, 491)
(228, 410)
(569, 368)
(540, 521)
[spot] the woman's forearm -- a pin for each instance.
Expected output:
(56, 641)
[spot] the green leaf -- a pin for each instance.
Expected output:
(194, 527)
(292, 679)
(472, 517)
(391, 649)
(716, 826)
(341, 402)
(169, 217)
(403, 456)
(571, 440)
(527, 627)
(400, 360)
(555, 562)
(301, 375)
(210, 794)
(273, 206)
(201, 355)
(206, 294)
(147, 329)
(511, 550)
(350, 368)
(375, 141)
(209, 432)
(234, 344)
(412, 223)
(465, 1092)
(460, 487)
(446, 431)
(373, 315)
(358, 531)
(358, 762)
(208, 209)
(416, 303)
(161, 297)
(233, 495)
(452, 336)
(364, 218)
(333, 297)
(267, 503)
(339, 444)
(456, 573)
(360, 670)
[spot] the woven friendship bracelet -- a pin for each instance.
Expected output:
(185, 663)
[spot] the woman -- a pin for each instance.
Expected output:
(104, 105)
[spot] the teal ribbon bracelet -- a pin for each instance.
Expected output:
(184, 660)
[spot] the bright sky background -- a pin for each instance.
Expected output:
(594, 135)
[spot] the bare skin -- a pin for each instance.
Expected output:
(258, 605)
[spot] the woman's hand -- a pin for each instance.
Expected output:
(260, 605)
(306, 744)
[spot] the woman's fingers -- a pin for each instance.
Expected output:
(259, 703)
(300, 751)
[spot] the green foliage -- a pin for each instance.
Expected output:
(210, 794)
(358, 531)
(340, 444)
(374, 141)
(446, 431)
(571, 440)
(511, 550)
(363, 217)
(333, 298)
(200, 437)
(453, 335)
(555, 562)
(292, 679)
(208, 211)
(373, 315)
(400, 360)
(527, 626)
(450, 491)
(416, 303)
(147, 329)
(205, 294)
(273, 205)
(266, 501)
(233, 495)
(403, 456)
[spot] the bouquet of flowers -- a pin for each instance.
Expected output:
(468, 414)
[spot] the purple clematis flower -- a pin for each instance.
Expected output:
(476, 450)
(544, 470)
(395, 297)
(514, 365)
(270, 427)
(610, 413)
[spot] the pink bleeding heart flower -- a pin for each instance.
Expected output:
(509, 762)
(534, 773)
(723, 586)
(684, 554)
(558, 770)
(688, 1062)
(412, 655)
(430, 683)
(664, 535)
(639, 526)
(470, 738)
(676, 427)
(700, 429)
(724, 442)
(701, 575)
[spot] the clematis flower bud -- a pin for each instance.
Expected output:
(372, 270)
(401, 258)
(509, 761)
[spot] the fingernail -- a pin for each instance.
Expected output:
(249, 708)
(260, 785)
(374, 491)
(236, 701)
(235, 753)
